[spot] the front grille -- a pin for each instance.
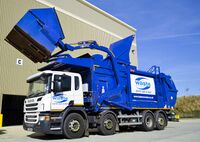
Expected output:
(31, 105)
(31, 109)
(31, 117)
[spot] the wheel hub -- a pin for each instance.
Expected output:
(108, 124)
(74, 125)
(149, 122)
(161, 121)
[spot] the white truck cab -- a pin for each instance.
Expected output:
(51, 91)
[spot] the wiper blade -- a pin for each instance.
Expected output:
(36, 94)
(40, 93)
(31, 95)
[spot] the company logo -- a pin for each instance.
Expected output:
(142, 83)
(30, 100)
(60, 99)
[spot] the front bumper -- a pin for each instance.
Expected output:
(51, 126)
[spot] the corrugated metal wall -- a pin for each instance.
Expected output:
(12, 76)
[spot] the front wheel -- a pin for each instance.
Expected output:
(74, 126)
(107, 124)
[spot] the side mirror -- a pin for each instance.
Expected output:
(57, 86)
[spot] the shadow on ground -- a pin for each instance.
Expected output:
(55, 137)
(91, 131)
(45, 136)
(2, 132)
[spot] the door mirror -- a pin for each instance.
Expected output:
(57, 86)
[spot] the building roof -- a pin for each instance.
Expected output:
(107, 14)
(92, 15)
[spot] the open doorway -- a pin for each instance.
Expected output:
(12, 110)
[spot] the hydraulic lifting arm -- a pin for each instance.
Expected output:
(39, 32)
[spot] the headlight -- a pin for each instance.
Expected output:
(44, 118)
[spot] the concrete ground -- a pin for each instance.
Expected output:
(183, 131)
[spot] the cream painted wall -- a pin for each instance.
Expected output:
(78, 23)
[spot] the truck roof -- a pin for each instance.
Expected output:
(51, 72)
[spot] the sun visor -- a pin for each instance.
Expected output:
(37, 34)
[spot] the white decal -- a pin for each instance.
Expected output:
(142, 85)
(60, 99)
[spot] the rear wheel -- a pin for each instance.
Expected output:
(161, 121)
(148, 121)
(107, 124)
(74, 126)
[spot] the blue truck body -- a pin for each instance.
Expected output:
(113, 82)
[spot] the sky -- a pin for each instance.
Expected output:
(168, 35)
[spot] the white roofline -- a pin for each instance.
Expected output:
(51, 72)
(106, 14)
(38, 74)
(87, 22)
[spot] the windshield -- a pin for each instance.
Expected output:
(39, 86)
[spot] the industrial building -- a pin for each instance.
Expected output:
(80, 21)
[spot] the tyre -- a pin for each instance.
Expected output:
(107, 124)
(161, 121)
(148, 121)
(74, 126)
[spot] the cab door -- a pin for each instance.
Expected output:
(63, 92)
(78, 92)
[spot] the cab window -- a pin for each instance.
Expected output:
(76, 83)
(62, 83)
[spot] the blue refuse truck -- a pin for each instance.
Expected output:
(70, 95)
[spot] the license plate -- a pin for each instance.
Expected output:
(30, 129)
